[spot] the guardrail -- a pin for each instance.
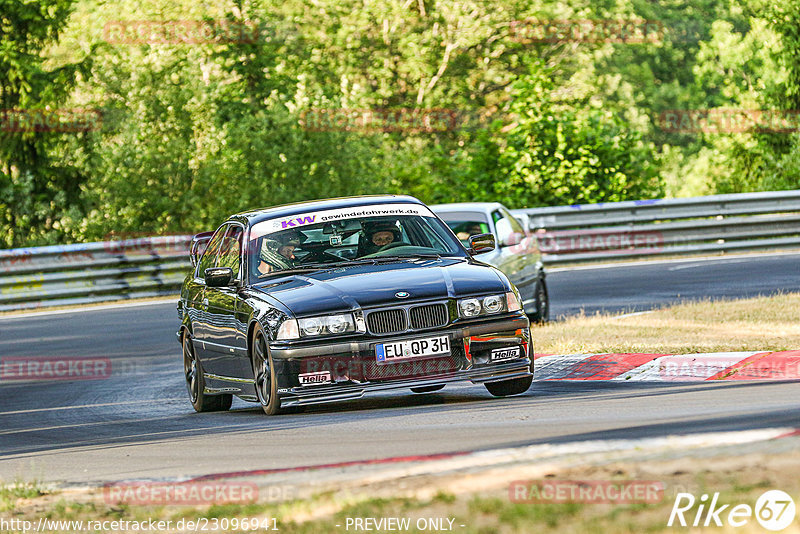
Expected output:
(152, 266)
(668, 227)
(92, 272)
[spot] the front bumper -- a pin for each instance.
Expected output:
(352, 370)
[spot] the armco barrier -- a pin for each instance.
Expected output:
(92, 272)
(652, 228)
(151, 266)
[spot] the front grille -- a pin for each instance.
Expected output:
(387, 321)
(429, 316)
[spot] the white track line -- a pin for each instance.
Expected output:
(676, 260)
(116, 306)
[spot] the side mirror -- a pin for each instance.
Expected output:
(481, 243)
(218, 276)
(198, 246)
(514, 238)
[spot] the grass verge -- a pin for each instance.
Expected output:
(756, 324)
(740, 479)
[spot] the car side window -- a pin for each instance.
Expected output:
(502, 228)
(230, 250)
(516, 226)
(210, 254)
(509, 231)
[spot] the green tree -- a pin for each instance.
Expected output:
(39, 191)
(557, 153)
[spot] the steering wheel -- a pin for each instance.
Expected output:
(393, 245)
(318, 256)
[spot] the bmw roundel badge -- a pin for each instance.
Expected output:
(401, 295)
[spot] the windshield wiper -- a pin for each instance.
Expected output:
(298, 269)
(423, 255)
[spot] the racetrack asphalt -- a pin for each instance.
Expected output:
(138, 422)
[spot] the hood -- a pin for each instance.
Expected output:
(364, 286)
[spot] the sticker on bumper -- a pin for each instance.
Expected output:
(505, 354)
(309, 379)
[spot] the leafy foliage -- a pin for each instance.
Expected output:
(192, 132)
(37, 187)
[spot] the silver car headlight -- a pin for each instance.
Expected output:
(326, 324)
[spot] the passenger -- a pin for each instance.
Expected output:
(278, 254)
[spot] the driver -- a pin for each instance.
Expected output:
(278, 254)
(382, 237)
(470, 230)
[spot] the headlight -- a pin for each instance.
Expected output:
(311, 327)
(473, 307)
(469, 307)
(338, 324)
(329, 324)
(493, 304)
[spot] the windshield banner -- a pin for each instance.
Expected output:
(316, 217)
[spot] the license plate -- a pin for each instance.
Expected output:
(505, 354)
(412, 348)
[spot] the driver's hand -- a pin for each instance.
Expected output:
(264, 268)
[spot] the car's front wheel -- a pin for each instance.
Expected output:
(196, 384)
(542, 299)
(264, 374)
(515, 386)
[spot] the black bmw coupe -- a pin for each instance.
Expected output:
(328, 300)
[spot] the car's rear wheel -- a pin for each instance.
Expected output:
(427, 389)
(196, 384)
(264, 374)
(542, 313)
(515, 386)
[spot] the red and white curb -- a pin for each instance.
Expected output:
(784, 365)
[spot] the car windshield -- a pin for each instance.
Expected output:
(464, 229)
(347, 235)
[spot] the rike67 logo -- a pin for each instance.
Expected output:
(774, 510)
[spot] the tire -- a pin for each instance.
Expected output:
(515, 386)
(427, 389)
(542, 314)
(196, 383)
(264, 378)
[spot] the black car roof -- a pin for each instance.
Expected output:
(256, 216)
